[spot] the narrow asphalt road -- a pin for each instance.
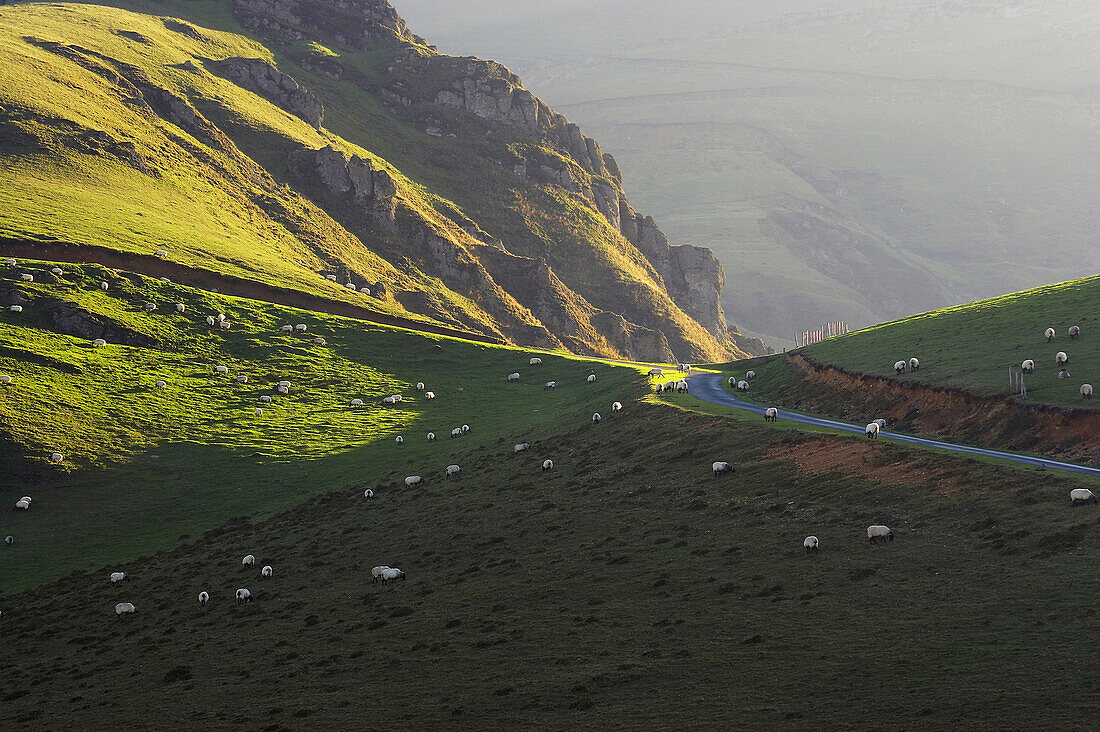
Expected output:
(708, 387)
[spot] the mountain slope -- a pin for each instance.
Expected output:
(141, 132)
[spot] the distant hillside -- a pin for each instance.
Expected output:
(844, 161)
(284, 142)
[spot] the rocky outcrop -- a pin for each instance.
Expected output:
(262, 78)
(366, 186)
(351, 23)
(71, 319)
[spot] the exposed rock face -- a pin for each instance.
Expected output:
(368, 187)
(260, 77)
(71, 319)
(352, 23)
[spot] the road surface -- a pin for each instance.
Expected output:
(708, 387)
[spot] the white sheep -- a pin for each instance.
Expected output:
(431, 437)
(413, 480)
(399, 440)
(420, 386)
(1086, 391)
(616, 407)
(125, 608)
(287, 328)
(536, 362)
(1081, 496)
(181, 308)
(162, 253)
(150, 306)
(660, 388)
(364, 290)
(453, 470)
(732, 381)
(104, 286)
(1028, 366)
(521, 447)
(656, 372)
(99, 342)
(56, 271)
(209, 319)
(514, 376)
(670, 385)
(376, 572)
(880, 422)
(591, 378)
(266, 399)
(249, 560)
(330, 278)
(27, 277)
(286, 384)
(741, 385)
(161, 384)
(23, 505)
(1049, 334)
(429, 395)
(385, 400)
(221, 317)
(872, 430)
(259, 412)
(117, 577)
(899, 367)
(465, 428)
(300, 328)
(165, 279)
(682, 385)
(320, 342)
(876, 532)
(550, 385)
(204, 597)
(9, 539)
(721, 467)
(368, 493)
(392, 573)
(456, 432)
(596, 418)
(356, 402)
(1061, 358)
(397, 398)
(10, 262)
(267, 571)
(5, 379)
(221, 369)
(242, 379)
(56, 457)
(914, 364)
(771, 414)
(547, 465)
(810, 542)
(225, 325)
(284, 390)
(351, 286)
(750, 375)
(243, 596)
(1074, 331)
(16, 308)
(26, 498)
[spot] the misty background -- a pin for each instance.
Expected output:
(845, 160)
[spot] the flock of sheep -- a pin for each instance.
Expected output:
(1061, 359)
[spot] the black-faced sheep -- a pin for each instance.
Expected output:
(742, 386)
(1061, 358)
(681, 386)
(420, 386)
(125, 608)
(750, 375)
(547, 465)
(56, 457)
(1086, 391)
(267, 571)
(1049, 334)
(656, 372)
(1074, 331)
(521, 447)
(117, 577)
(429, 395)
(431, 437)
(376, 572)
(204, 597)
(465, 428)
(356, 402)
(550, 385)
(1081, 496)
(399, 440)
(456, 432)
(536, 362)
(914, 364)
(591, 378)
(514, 376)
(390, 574)
(721, 468)
(368, 493)
(899, 367)
(616, 407)
(249, 560)
(413, 480)
(811, 543)
(596, 418)
(453, 470)
(243, 596)
(9, 540)
(771, 414)
(877, 533)
(1028, 366)
(872, 430)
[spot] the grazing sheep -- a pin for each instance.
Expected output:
(682, 386)
(162, 253)
(399, 440)
(1063, 374)
(10, 262)
(209, 319)
(319, 342)
(225, 325)
(259, 412)
(596, 418)
(536, 362)
(413, 480)
(880, 422)
(243, 596)
(16, 308)
(284, 390)
(899, 367)
(465, 428)
(750, 375)
(420, 386)
(431, 437)
(287, 384)
(656, 372)
(1061, 358)
(376, 572)
(350, 286)
(521, 447)
(9, 539)
(165, 279)
(117, 577)
(98, 342)
(721, 467)
(5, 379)
(330, 278)
(301, 328)
(125, 608)
(453, 470)
(267, 571)
(732, 381)
(398, 398)
(914, 364)
(221, 317)
(514, 376)
(771, 414)
(670, 385)
(27, 278)
(150, 306)
(429, 395)
(56, 271)
(249, 560)
(591, 378)
(364, 290)
(550, 385)
(204, 597)
(356, 402)
(368, 493)
(242, 379)
(287, 329)
(456, 432)
(660, 388)
(1086, 391)
(876, 532)
(741, 385)
(385, 400)
(1049, 334)
(872, 430)
(616, 407)
(547, 465)
(392, 574)
(1074, 331)
(161, 384)
(1081, 496)
(104, 286)
(810, 542)
(266, 399)
(181, 308)
(56, 457)
(23, 505)
(1028, 366)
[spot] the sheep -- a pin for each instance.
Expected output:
(9, 539)
(899, 367)
(5, 379)
(876, 532)
(284, 390)
(351, 286)
(741, 385)
(453, 470)
(549, 385)
(721, 467)
(10, 262)
(243, 596)
(259, 412)
(26, 498)
(181, 308)
(521, 447)
(771, 414)
(162, 253)
(221, 317)
(1028, 366)
(536, 362)
(56, 271)
(429, 395)
(670, 385)
(56, 457)
(16, 308)
(286, 384)
(750, 375)
(161, 384)
(267, 571)
(514, 376)
(330, 278)
(266, 399)
(880, 422)
(165, 279)
(1081, 496)
(385, 400)
(872, 430)
(732, 381)
(1074, 331)
(104, 286)
(150, 306)
(1049, 334)
(397, 398)
(364, 290)
(399, 440)
(319, 342)
(591, 378)
(99, 343)
(1063, 374)
(810, 542)
(465, 428)
(300, 328)
(456, 432)
(209, 319)
(356, 402)
(27, 277)
(368, 493)
(660, 388)
(914, 364)
(287, 328)
(376, 572)
(682, 386)
(249, 560)
(1061, 358)
(1086, 391)
(22, 505)
(117, 577)
(547, 465)
(225, 325)
(431, 437)
(242, 379)
(204, 597)
(656, 372)
(616, 407)
(392, 574)
(420, 386)
(125, 608)
(596, 418)
(413, 480)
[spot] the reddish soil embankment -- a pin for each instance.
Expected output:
(225, 284)
(1070, 434)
